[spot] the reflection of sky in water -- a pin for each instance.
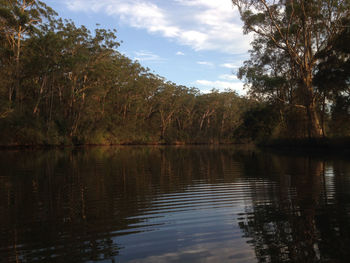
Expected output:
(229, 251)
(204, 216)
(166, 204)
(329, 183)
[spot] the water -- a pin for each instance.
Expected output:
(173, 204)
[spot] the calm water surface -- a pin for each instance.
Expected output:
(173, 204)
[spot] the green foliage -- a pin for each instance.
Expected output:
(333, 78)
(259, 123)
(63, 84)
(299, 60)
(340, 119)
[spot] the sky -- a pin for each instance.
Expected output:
(196, 43)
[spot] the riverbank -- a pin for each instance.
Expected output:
(176, 143)
(322, 144)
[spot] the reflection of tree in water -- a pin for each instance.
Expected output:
(335, 221)
(74, 206)
(46, 217)
(71, 206)
(292, 221)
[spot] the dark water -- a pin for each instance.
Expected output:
(173, 204)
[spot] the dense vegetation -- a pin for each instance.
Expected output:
(300, 63)
(62, 84)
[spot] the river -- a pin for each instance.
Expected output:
(173, 204)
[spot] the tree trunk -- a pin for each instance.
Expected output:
(323, 116)
(314, 129)
(313, 124)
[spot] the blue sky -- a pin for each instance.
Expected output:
(197, 43)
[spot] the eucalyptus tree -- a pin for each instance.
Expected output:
(185, 117)
(333, 79)
(230, 113)
(269, 74)
(333, 72)
(18, 19)
(169, 105)
(62, 83)
(300, 30)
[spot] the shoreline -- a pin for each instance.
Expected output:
(48, 146)
(322, 144)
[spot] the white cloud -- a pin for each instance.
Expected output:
(205, 63)
(228, 77)
(138, 14)
(231, 65)
(179, 53)
(222, 85)
(144, 55)
(200, 24)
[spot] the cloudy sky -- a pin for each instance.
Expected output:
(197, 43)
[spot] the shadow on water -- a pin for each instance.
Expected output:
(119, 204)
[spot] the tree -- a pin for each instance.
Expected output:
(63, 84)
(333, 79)
(300, 30)
(18, 18)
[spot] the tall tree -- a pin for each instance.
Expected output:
(17, 19)
(62, 84)
(300, 29)
(333, 79)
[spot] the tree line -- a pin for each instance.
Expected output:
(62, 84)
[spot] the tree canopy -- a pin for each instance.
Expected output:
(290, 37)
(63, 84)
